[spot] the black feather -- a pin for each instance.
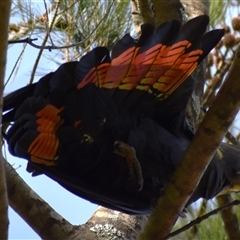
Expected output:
(66, 125)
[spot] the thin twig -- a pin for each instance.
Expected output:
(25, 40)
(43, 44)
(15, 65)
(51, 47)
(202, 218)
(47, 20)
(68, 7)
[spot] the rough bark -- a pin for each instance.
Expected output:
(194, 112)
(47, 223)
(108, 224)
(4, 17)
(202, 148)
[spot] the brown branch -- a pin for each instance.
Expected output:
(193, 112)
(25, 40)
(43, 219)
(202, 148)
(5, 7)
(108, 224)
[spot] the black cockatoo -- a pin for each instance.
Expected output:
(111, 127)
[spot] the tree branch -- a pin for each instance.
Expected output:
(198, 220)
(51, 47)
(109, 224)
(47, 36)
(202, 148)
(5, 7)
(194, 108)
(43, 219)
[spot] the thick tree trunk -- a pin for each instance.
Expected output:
(4, 17)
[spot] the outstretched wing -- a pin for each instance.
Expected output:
(156, 64)
(71, 118)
